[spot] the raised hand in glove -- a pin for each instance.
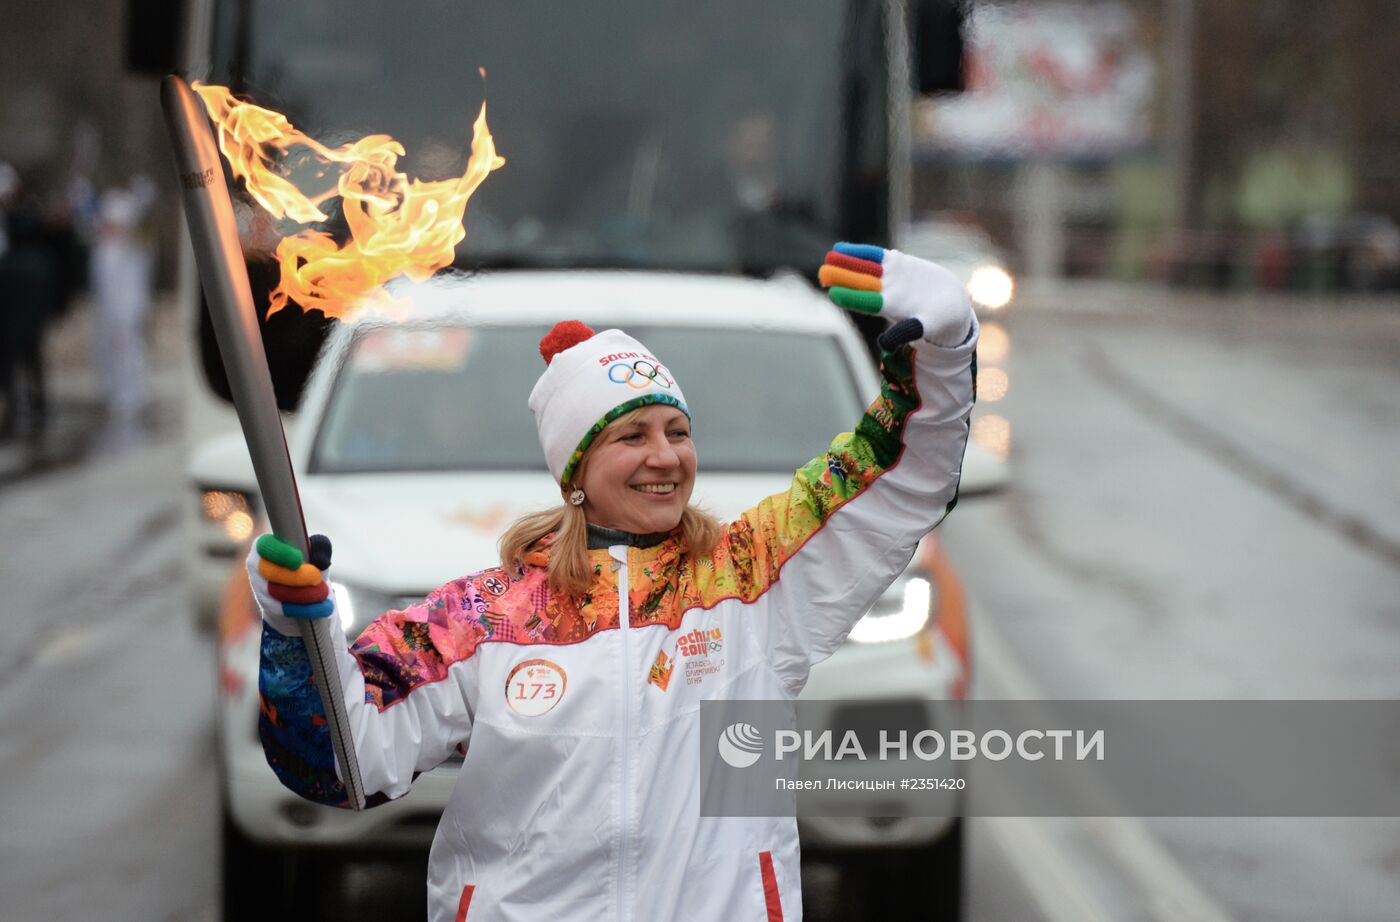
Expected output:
(285, 584)
(922, 299)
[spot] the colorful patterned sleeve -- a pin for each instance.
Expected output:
(409, 686)
(823, 551)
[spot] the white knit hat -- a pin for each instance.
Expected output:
(590, 380)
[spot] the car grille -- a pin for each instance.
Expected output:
(868, 718)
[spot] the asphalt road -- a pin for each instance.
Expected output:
(1204, 505)
(106, 701)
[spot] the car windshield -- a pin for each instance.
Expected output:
(662, 133)
(453, 398)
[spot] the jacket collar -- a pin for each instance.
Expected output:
(600, 537)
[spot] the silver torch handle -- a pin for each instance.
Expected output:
(224, 274)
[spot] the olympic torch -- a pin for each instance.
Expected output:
(224, 275)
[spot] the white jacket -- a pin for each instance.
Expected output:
(579, 795)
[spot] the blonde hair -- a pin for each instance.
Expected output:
(568, 567)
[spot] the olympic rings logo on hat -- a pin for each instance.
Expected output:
(641, 371)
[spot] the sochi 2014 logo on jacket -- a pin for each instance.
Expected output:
(700, 653)
(700, 642)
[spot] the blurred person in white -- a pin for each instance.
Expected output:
(123, 263)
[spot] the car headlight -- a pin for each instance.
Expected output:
(229, 511)
(991, 287)
(358, 606)
(344, 605)
(902, 611)
(992, 432)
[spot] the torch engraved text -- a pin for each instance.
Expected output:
(197, 180)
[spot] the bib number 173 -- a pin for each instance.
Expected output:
(535, 686)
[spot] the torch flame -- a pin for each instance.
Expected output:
(398, 225)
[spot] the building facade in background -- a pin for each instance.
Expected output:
(1226, 143)
(71, 112)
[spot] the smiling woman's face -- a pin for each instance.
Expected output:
(638, 474)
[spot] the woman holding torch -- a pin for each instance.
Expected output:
(579, 797)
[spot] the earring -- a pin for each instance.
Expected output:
(576, 497)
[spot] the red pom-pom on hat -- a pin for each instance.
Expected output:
(566, 333)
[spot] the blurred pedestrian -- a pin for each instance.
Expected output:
(29, 287)
(9, 185)
(121, 278)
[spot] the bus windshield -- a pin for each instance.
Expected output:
(711, 136)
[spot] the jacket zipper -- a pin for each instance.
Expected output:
(623, 618)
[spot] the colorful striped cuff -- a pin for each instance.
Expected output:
(861, 251)
(830, 275)
(867, 302)
(307, 612)
(299, 595)
(274, 549)
(855, 265)
(305, 575)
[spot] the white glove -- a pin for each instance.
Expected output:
(901, 287)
